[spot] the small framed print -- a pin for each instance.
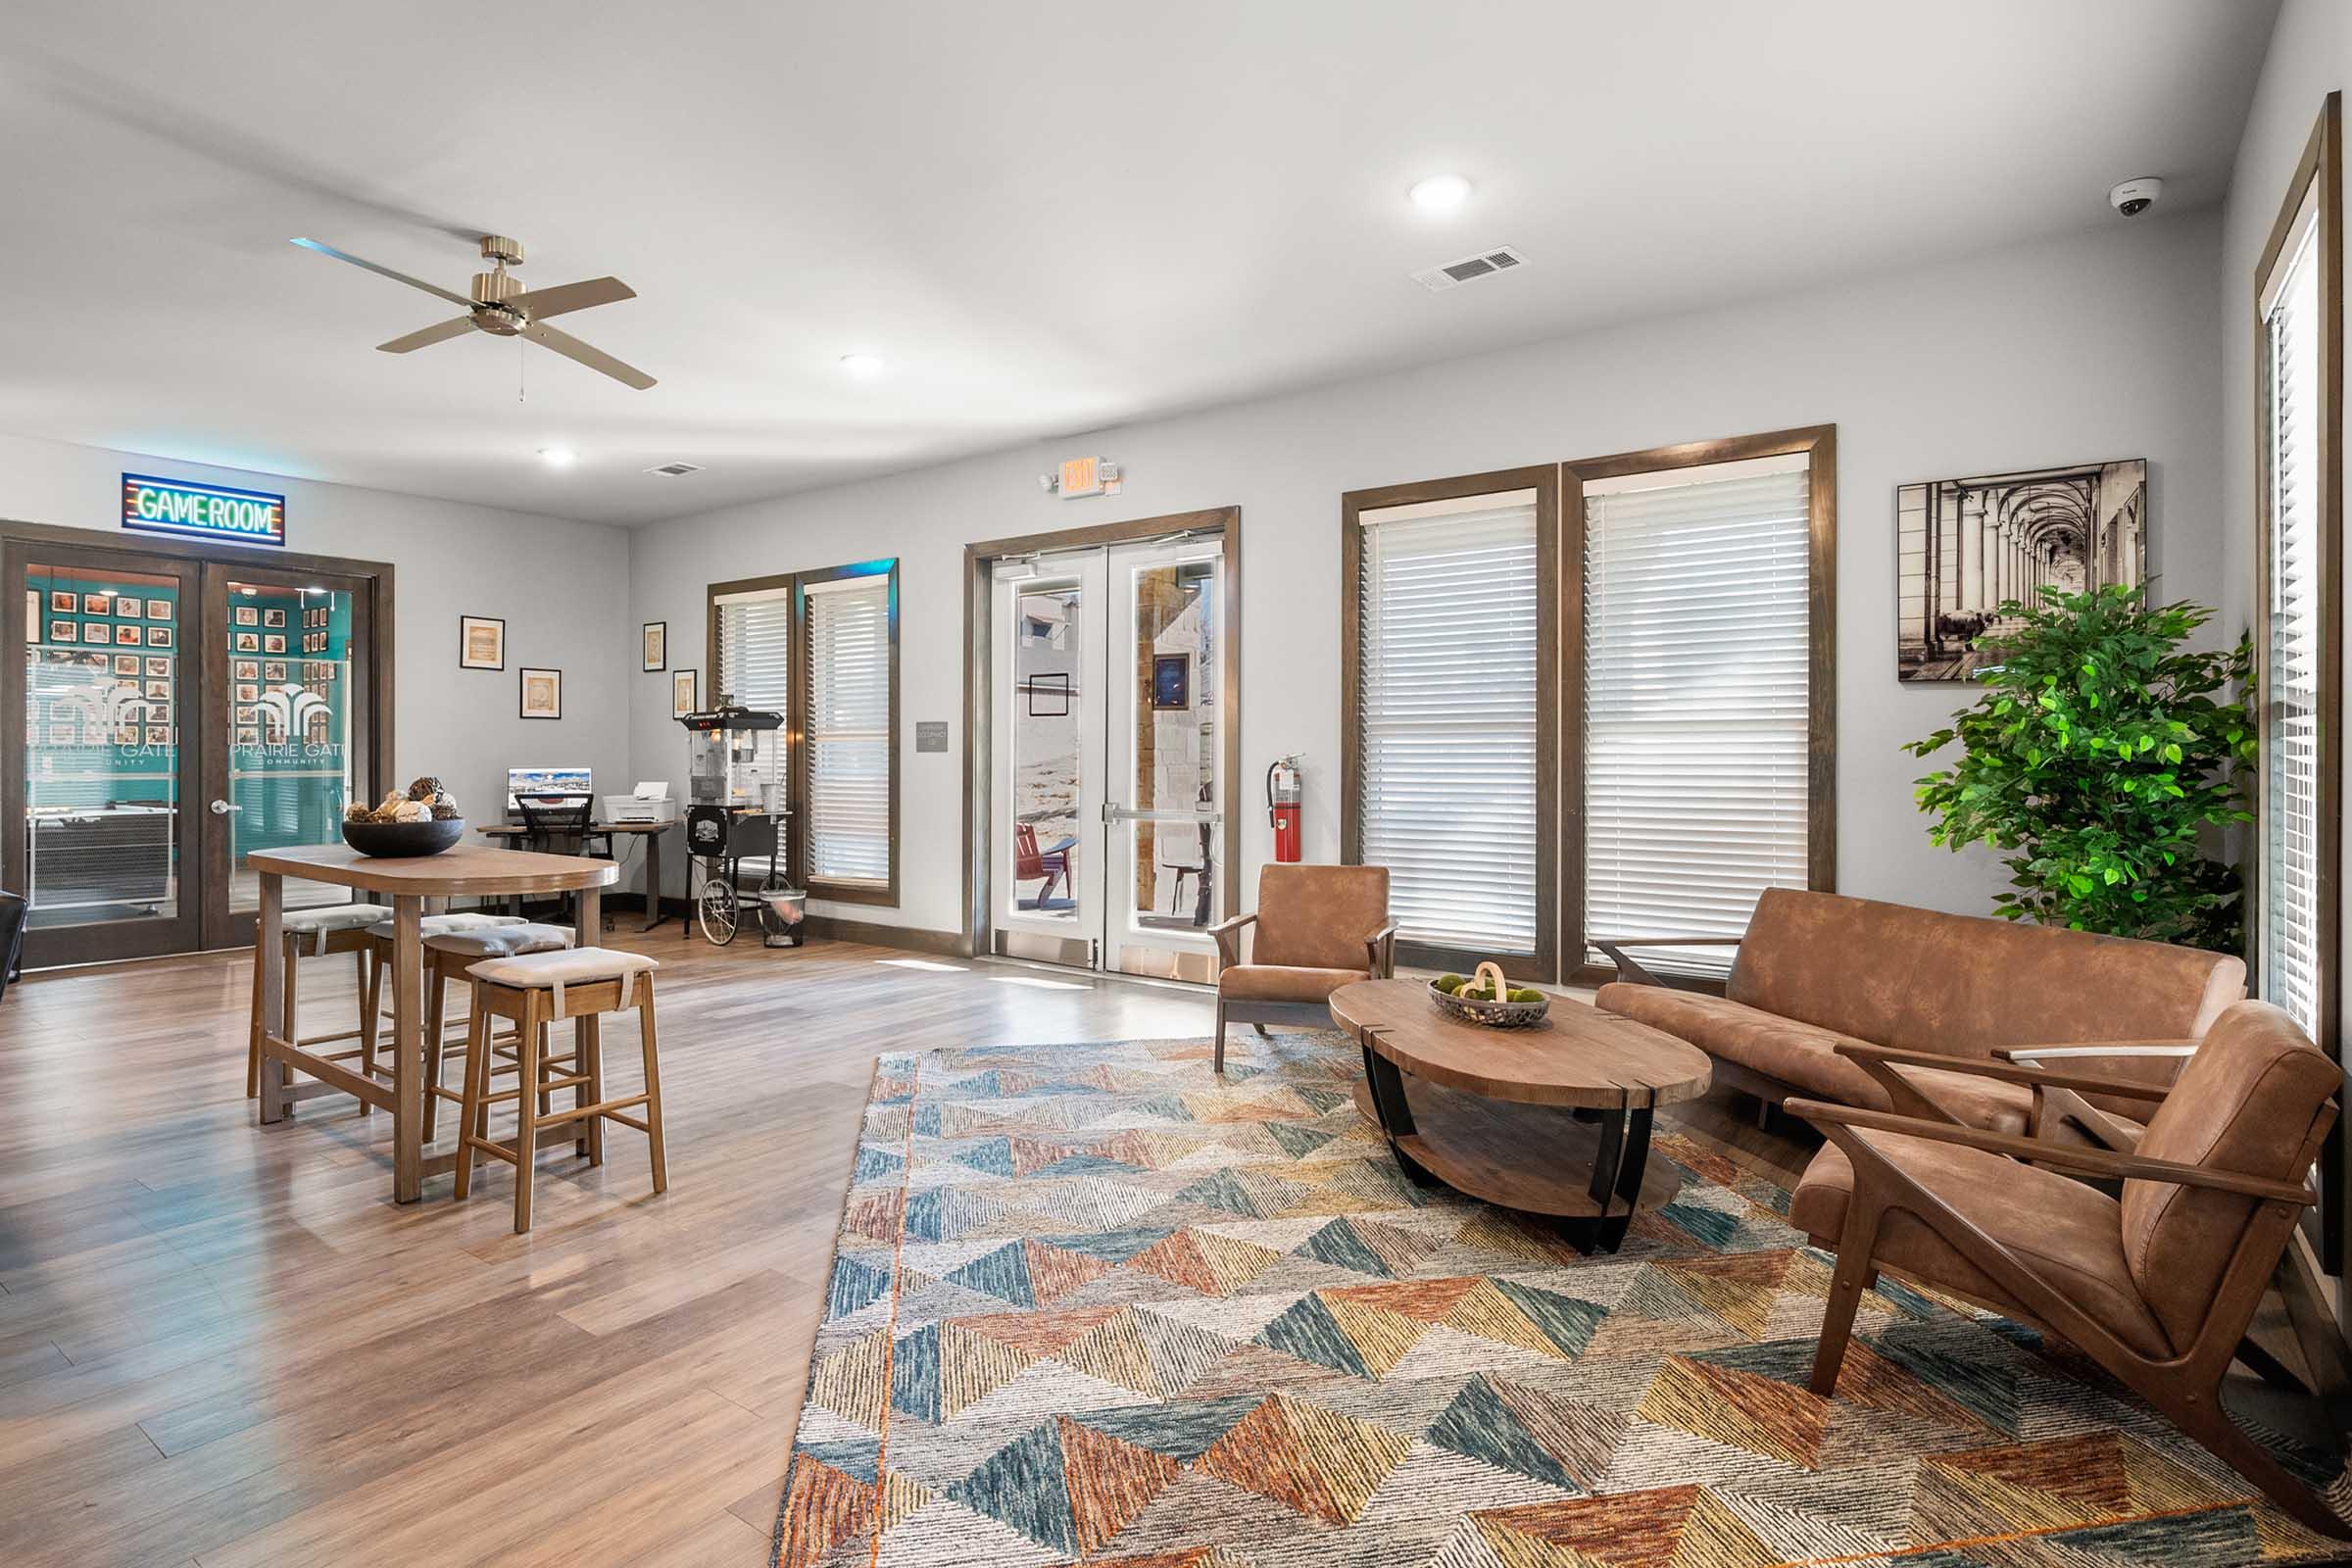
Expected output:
(274, 642)
(64, 631)
(246, 615)
(275, 671)
(126, 734)
(248, 694)
(127, 634)
(245, 669)
(542, 693)
(274, 617)
(127, 663)
(482, 642)
(158, 610)
(158, 665)
(247, 715)
(97, 603)
(243, 642)
(159, 691)
(683, 698)
(159, 734)
(91, 661)
(61, 603)
(129, 609)
(159, 636)
(249, 735)
(653, 653)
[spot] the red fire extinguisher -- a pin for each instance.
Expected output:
(1284, 793)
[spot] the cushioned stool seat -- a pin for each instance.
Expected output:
(500, 941)
(437, 926)
(334, 917)
(572, 966)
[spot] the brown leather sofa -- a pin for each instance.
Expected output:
(1818, 970)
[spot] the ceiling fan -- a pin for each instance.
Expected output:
(502, 307)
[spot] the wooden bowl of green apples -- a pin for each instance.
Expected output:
(1487, 998)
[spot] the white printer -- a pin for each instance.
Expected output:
(649, 802)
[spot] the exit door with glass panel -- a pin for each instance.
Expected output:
(178, 714)
(1106, 800)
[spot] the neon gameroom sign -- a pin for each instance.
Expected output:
(203, 510)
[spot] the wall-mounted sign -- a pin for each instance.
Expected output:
(1082, 476)
(930, 734)
(203, 510)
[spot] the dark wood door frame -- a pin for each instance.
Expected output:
(979, 678)
(21, 541)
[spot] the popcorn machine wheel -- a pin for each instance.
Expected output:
(734, 814)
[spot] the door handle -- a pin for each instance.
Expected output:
(223, 807)
(1113, 812)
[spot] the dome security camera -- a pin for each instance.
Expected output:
(2135, 196)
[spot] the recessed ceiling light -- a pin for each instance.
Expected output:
(862, 364)
(559, 457)
(1440, 193)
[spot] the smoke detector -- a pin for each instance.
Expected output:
(1470, 269)
(675, 471)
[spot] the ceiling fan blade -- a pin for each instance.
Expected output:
(541, 303)
(438, 332)
(386, 271)
(571, 348)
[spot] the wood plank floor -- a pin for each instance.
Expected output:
(224, 1345)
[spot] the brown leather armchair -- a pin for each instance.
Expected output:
(1318, 928)
(2158, 1285)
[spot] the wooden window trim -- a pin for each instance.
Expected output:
(796, 719)
(2322, 161)
(1545, 480)
(1820, 445)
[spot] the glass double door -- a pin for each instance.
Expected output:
(178, 714)
(1105, 740)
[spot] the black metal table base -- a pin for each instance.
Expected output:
(1618, 1168)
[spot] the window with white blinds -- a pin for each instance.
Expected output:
(848, 730)
(2290, 955)
(755, 657)
(1446, 718)
(1696, 701)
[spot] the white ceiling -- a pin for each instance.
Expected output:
(1047, 216)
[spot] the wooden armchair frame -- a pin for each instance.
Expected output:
(1380, 960)
(2186, 1386)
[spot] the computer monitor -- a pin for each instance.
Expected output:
(546, 784)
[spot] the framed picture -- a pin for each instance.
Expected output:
(542, 693)
(275, 671)
(127, 663)
(1966, 547)
(63, 602)
(126, 734)
(274, 617)
(64, 631)
(127, 634)
(243, 642)
(159, 734)
(482, 643)
(159, 636)
(249, 735)
(158, 665)
(246, 615)
(274, 642)
(683, 696)
(245, 669)
(248, 693)
(158, 610)
(159, 691)
(655, 651)
(129, 609)
(97, 603)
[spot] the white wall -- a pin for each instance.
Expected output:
(561, 587)
(2097, 346)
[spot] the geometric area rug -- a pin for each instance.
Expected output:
(1092, 1304)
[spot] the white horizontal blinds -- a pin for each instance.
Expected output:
(1447, 719)
(1696, 701)
(848, 730)
(2290, 870)
(754, 660)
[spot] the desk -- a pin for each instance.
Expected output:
(464, 870)
(651, 832)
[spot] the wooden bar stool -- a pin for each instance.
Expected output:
(431, 926)
(447, 956)
(312, 934)
(531, 990)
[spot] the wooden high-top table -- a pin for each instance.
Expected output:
(464, 871)
(1494, 1112)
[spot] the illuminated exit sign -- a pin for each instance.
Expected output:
(203, 510)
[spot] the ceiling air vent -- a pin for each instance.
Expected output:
(675, 471)
(1485, 264)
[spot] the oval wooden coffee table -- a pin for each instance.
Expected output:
(1494, 1112)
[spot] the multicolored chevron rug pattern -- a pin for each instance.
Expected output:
(1093, 1305)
